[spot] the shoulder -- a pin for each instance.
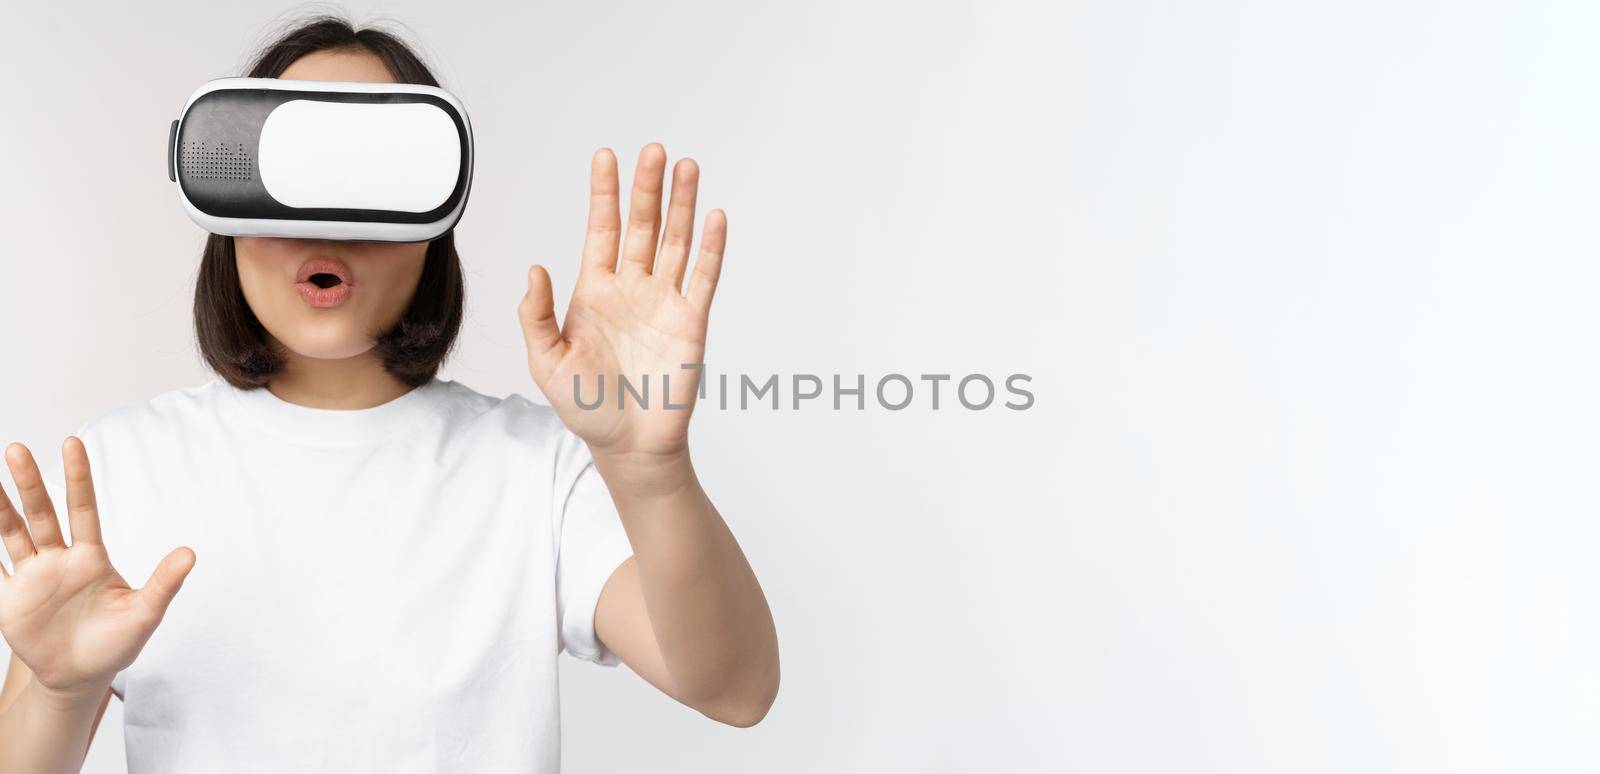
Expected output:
(464, 406)
(136, 430)
(164, 412)
(514, 417)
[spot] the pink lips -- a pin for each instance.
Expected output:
(324, 297)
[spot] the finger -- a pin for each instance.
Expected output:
(679, 231)
(600, 241)
(644, 210)
(540, 331)
(166, 579)
(35, 498)
(83, 517)
(708, 267)
(13, 530)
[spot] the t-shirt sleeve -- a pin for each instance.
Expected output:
(590, 545)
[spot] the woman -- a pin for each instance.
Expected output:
(385, 564)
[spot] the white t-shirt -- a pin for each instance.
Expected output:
(378, 590)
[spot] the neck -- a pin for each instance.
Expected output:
(350, 383)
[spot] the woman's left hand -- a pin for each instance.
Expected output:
(629, 319)
(685, 611)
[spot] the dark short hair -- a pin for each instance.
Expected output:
(233, 341)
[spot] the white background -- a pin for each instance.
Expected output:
(1308, 291)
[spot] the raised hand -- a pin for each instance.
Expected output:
(65, 612)
(629, 318)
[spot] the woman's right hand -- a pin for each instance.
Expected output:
(66, 613)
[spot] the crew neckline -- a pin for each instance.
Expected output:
(337, 427)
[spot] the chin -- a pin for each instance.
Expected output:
(327, 342)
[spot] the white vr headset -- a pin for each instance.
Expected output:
(383, 162)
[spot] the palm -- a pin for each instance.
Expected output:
(64, 610)
(629, 320)
(69, 613)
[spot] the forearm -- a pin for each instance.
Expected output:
(42, 731)
(710, 619)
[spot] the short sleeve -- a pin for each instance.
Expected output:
(590, 545)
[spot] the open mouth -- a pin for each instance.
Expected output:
(324, 281)
(325, 271)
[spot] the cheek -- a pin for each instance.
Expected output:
(399, 275)
(255, 277)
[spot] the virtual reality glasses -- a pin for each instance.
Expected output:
(386, 162)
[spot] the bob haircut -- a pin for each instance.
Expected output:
(233, 341)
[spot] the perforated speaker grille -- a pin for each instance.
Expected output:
(220, 161)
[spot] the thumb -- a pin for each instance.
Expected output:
(167, 579)
(537, 313)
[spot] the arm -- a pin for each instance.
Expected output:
(58, 727)
(685, 612)
(71, 620)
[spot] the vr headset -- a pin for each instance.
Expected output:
(383, 162)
